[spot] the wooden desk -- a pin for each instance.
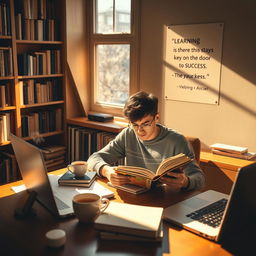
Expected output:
(26, 237)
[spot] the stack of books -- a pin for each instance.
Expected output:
(54, 156)
(69, 179)
(232, 151)
(121, 221)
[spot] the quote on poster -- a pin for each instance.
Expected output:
(193, 62)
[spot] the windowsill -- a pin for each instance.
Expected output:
(115, 126)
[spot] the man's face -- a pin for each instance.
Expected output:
(146, 128)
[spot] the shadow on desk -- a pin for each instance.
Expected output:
(27, 237)
(159, 196)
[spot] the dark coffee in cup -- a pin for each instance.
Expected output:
(88, 206)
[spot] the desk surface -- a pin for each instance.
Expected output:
(26, 237)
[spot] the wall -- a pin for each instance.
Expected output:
(233, 121)
(77, 68)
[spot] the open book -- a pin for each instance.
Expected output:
(142, 178)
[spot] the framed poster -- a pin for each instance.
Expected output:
(192, 62)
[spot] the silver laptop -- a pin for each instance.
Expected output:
(218, 216)
(34, 174)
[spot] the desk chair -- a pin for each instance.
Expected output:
(196, 145)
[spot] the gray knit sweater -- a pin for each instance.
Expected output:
(148, 154)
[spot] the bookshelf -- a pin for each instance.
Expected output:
(86, 136)
(32, 79)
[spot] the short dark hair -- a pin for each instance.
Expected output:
(139, 105)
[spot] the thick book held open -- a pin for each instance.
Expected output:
(141, 178)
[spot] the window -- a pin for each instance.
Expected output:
(113, 47)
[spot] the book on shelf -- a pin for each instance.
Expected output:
(229, 148)
(6, 68)
(12, 171)
(5, 94)
(52, 149)
(4, 127)
(69, 179)
(141, 179)
(246, 156)
(5, 21)
(131, 219)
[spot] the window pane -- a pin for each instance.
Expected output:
(123, 16)
(113, 16)
(113, 73)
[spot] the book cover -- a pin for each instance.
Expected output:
(130, 219)
(69, 178)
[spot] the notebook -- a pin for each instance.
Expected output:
(58, 200)
(229, 213)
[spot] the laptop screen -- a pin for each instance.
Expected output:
(239, 224)
(33, 171)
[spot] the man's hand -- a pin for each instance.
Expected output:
(176, 180)
(113, 177)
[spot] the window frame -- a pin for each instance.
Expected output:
(97, 39)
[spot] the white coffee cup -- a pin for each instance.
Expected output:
(87, 206)
(79, 168)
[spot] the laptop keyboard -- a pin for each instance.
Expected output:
(211, 214)
(60, 204)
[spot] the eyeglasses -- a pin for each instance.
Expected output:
(143, 126)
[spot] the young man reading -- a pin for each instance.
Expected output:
(146, 143)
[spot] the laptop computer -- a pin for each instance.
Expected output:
(217, 216)
(57, 199)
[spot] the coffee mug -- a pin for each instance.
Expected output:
(79, 168)
(88, 206)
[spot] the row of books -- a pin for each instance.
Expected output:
(27, 29)
(82, 142)
(32, 92)
(4, 127)
(5, 21)
(39, 122)
(39, 63)
(232, 151)
(6, 67)
(5, 95)
(54, 156)
(9, 171)
(35, 9)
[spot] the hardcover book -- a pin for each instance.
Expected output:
(69, 179)
(130, 219)
(141, 178)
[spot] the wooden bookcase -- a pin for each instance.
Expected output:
(36, 84)
(86, 136)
